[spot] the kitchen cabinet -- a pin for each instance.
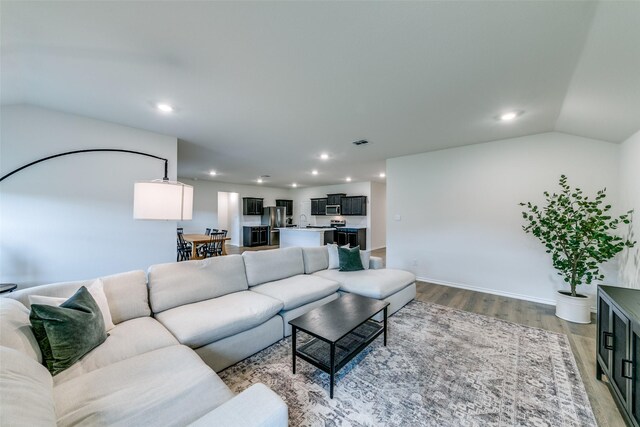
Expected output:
(288, 204)
(352, 237)
(335, 199)
(618, 347)
(256, 235)
(319, 206)
(252, 206)
(353, 206)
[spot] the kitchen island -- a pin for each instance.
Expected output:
(305, 237)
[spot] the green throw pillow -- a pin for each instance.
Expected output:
(68, 332)
(350, 259)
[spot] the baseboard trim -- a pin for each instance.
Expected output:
(488, 291)
(491, 291)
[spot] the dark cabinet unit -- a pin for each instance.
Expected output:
(257, 235)
(287, 204)
(335, 199)
(353, 205)
(319, 206)
(618, 347)
(352, 236)
(251, 206)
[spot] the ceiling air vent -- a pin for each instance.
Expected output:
(361, 142)
(265, 176)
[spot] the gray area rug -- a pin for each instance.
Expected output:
(442, 367)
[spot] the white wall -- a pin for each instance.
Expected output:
(630, 199)
(71, 218)
(378, 215)
(453, 215)
(206, 209)
(301, 202)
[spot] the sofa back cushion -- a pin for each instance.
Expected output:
(126, 293)
(179, 283)
(15, 329)
(315, 259)
(271, 265)
(26, 394)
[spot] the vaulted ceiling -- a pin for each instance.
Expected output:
(265, 87)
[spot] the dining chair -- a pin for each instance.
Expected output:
(214, 247)
(207, 231)
(183, 248)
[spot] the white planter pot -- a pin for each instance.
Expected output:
(574, 309)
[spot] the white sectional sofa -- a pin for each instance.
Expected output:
(150, 370)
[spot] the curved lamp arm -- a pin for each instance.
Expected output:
(160, 199)
(92, 150)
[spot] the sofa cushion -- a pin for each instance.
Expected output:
(126, 293)
(179, 283)
(26, 391)
(298, 290)
(208, 321)
(68, 332)
(275, 264)
(126, 340)
(170, 386)
(15, 329)
(370, 283)
(315, 259)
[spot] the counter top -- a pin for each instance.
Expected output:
(308, 230)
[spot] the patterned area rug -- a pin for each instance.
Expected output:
(442, 367)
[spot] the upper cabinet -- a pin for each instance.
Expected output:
(287, 204)
(335, 199)
(252, 206)
(319, 206)
(353, 206)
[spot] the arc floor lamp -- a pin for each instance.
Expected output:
(159, 199)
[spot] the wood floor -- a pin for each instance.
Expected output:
(581, 337)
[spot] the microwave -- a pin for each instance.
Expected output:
(333, 210)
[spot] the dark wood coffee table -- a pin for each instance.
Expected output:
(341, 329)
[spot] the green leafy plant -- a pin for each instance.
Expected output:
(577, 231)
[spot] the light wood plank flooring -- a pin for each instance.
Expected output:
(581, 337)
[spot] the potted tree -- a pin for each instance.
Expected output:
(578, 232)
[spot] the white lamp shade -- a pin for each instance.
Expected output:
(162, 200)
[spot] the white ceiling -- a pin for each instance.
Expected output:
(264, 87)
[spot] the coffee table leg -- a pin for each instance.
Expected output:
(385, 326)
(293, 347)
(332, 362)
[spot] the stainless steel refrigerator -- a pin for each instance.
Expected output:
(274, 217)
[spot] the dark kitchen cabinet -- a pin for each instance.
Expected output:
(319, 206)
(257, 235)
(352, 237)
(288, 204)
(251, 206)
(353, 206)
(618, 347)
(335, 199)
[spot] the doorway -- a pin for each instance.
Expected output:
(229, 215)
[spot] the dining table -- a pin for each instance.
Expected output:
(202, 239)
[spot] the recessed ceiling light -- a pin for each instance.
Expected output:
(348, 179)
(165, 108)
(324, 156)
(314, 172)
(294, 185)
(259, 180)
(213, 173)
(382, 174)
(509, 116)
